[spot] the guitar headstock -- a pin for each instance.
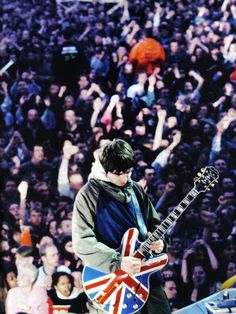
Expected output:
(206, 179)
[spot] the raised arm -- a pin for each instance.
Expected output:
(23, 189)
(161, 114)
(63, 179)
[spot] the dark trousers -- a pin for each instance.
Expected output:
(157, 302)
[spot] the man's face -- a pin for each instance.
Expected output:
(76, 181)
(220, 165)
(20, 260)
(35, 217)
(149, 175)
(170, 289)
(227, 183)
(54, 89)
(174, 46)
(69, 101)
(32, 116)
(83, 82)
(51, 257)
(119, 179)
(66, 226)
(43, 191)
(38, 153)
(10, 187)
(142, 78)
(70, 117)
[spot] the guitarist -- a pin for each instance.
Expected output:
(105, 208)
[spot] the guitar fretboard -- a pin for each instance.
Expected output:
(169, 221)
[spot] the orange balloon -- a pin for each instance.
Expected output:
(146, 54)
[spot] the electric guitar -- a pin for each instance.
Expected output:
(122, 293)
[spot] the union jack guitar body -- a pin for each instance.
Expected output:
(122, 293)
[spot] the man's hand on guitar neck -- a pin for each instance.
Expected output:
(130, 264)
(157, 246)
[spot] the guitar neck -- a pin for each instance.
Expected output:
(169, 221)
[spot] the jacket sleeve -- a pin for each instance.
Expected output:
(92, 252)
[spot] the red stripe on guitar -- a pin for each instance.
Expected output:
(96, 284)
(152, 265)
(133, 285)
(112, 286)
(128, 242)
(117, 302)
(138, 255)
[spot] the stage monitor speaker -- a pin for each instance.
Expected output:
(219, 303)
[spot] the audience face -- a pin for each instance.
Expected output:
(11, 279)
(142, 78)
(51, 257)
(38, 153)
(77, 275)
(199, 276)
(83, 82)
(33, 116)
(35, 217)
(10, 188)
(231, 269)
(220, 165)
(170, 289)
(149, 175)
(64, 286)
(227, 183)
(76, 181)
(14, 209)
(54, 89)
(175, 246)
(52, 228)
(215, 236)
(70, 117)
(26, 275)
(43, 191)
(66, 226)
(20, 260)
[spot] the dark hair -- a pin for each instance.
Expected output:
(117, 156)
(56, 276)
(25, 251)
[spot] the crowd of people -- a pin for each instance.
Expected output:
(73, 85)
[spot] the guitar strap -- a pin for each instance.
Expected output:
(142, 227)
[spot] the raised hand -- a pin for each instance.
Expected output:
(69, 149)
(23, 189)
(161, 114)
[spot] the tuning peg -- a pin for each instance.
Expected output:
(212, 184)
(199, 174)
(202, 170)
